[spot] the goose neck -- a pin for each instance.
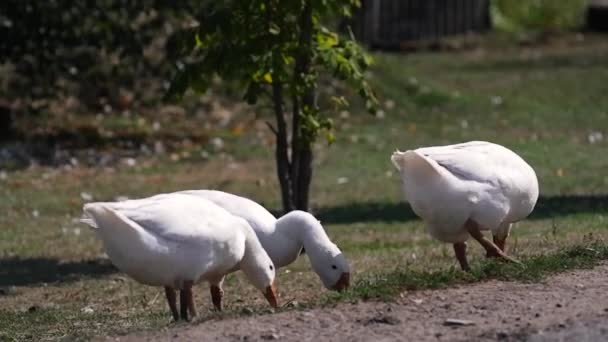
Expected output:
(304, 228)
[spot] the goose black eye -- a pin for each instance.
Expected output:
(334, 267)
(271, 268)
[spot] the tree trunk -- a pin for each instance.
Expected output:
(301, 166)
(305, 176)
(6, 122)
(282, 146)
(295, 174)
(281, 152)
(301, 157)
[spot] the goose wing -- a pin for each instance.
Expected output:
(473, 161)
(260, 219)
(177, 217)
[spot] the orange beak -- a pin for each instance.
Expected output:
(271, 295)
(343, 282)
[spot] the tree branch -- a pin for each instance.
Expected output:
(282, 155)
(271, 127)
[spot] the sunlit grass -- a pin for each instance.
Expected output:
(551, 100)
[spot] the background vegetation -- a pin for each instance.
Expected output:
(544, 99)
(538, 15)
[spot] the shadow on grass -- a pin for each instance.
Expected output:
(367, 212)
(547, 207)
(30, 271)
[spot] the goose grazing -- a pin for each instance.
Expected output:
(283, 239)
(177, 241)
(460, 190)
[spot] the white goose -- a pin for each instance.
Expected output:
(177, 241)
(461, 189)
(284, 238)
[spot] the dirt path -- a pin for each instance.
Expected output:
(571, 307)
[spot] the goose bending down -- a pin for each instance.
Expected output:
(283, 239)
(177, 241)
(459, 190)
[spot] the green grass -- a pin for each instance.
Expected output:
(387, 285)
(552, 98)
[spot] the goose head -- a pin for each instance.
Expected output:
(264, 280)
(326, 259)
(332, 268)
(259, 268)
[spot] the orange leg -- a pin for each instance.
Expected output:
(172, 300)
(216, 296)
(500, 243)
(186, 301)
(183, 304)
(460, 249)
(491, 249)
(191, 306)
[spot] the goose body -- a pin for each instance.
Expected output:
(284, 238)
(177, 241)
(282, 247)
(455, 187)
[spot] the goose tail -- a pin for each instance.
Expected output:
(88, 221)
(112, 226)
(397, 159)
(414, 163)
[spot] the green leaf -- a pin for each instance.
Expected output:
(267, 77)
(330, 137)
(339, 101)
(199, 42)
(327, 40)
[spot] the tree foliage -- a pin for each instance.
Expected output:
(538, 15)
(277, 51)
(96, 43)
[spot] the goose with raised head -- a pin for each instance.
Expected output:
(284, 238)
(460, 190)
(177, 241)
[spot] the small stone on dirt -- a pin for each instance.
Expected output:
(457, 322)
(292, 304)
(247, 311)
(270, 337)
(502, 335)
(87, 310)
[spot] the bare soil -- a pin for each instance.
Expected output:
(570, 306)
